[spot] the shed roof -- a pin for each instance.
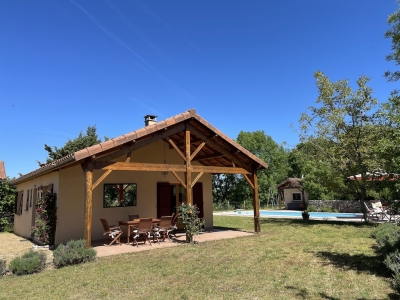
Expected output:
(290, 183)
(219, 149)
(3, 176)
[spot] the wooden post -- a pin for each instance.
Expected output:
(255, 203)
(88, 203)
(188, 169)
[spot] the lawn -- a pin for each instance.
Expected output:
(289, 259)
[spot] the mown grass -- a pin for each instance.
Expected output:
(289, 259)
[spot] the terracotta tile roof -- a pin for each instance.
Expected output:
(3, 176)
(189, 116)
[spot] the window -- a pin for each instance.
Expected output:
(296, 196)
(27, 201)
(119, 195)
(18, 204)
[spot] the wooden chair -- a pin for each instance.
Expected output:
(142, 231)
(173, 226)
(113, 232)
(133, 217)
(161, 230)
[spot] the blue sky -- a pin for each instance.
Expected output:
(243, 65)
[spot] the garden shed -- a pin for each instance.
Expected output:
(291, 192)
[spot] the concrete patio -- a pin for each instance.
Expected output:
(215, 234)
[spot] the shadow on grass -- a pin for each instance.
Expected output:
(358, 262)
(302, 293)
(300, 222)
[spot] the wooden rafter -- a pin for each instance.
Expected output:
(171, 142)
(197, 178)
(98, 181)
(209, 156)
(179, 179)
(213, 144)
(248, 180)
(197, 150)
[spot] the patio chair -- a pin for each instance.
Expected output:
(133, 217)
(113, 232)
(142, 231)
(161, 230)
(173, 227)
(378, 209)
(369, 213)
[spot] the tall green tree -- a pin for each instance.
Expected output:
(71, 146)
(235, 189)
(394, 34)
(343, 129)
(7, 197)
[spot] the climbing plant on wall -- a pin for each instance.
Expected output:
(45, 226)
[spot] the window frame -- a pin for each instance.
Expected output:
(293, 197)
(119, 193)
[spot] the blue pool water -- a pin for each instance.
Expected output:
(267, 213)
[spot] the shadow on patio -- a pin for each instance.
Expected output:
(215, 234)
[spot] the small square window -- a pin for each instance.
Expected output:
(296, 196)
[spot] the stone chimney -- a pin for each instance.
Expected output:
(150, 120)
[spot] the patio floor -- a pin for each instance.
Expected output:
(215, 234)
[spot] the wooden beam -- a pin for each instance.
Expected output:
(218, 170)
(121, 166)
(210, 156)
(197, 150)
(142, 143)
(98, 181)
(218, 148)
(179, 179)
(188, 173)
(128, 157)
(88, 204)
(171, 142)
(197, 178)
(256, 203)
(248, 180)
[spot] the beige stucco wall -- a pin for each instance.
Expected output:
(71, 196)
(288, 194)
(23, 223)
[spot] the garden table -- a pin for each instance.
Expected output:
(134, 223)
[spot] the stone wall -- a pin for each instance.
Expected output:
(343, 206)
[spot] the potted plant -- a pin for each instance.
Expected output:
(305, 214)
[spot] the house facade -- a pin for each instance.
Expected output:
(148, 172)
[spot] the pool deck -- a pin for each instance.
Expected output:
(344, 219)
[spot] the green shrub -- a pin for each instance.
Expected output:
(396, 282)
(392, 261)
(3, 269)
(387, 237)
(29, 263)
(74, 252)
(312, 208)
(326, 209)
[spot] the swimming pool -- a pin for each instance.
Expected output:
(274, 213)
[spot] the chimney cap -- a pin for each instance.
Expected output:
(150, 117)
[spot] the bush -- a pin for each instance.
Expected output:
(326, 209)
(3, 269)
(29, 263)
(387, 237)
(392, 261)
(396, 282)
(73, 253)
(312, 208)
